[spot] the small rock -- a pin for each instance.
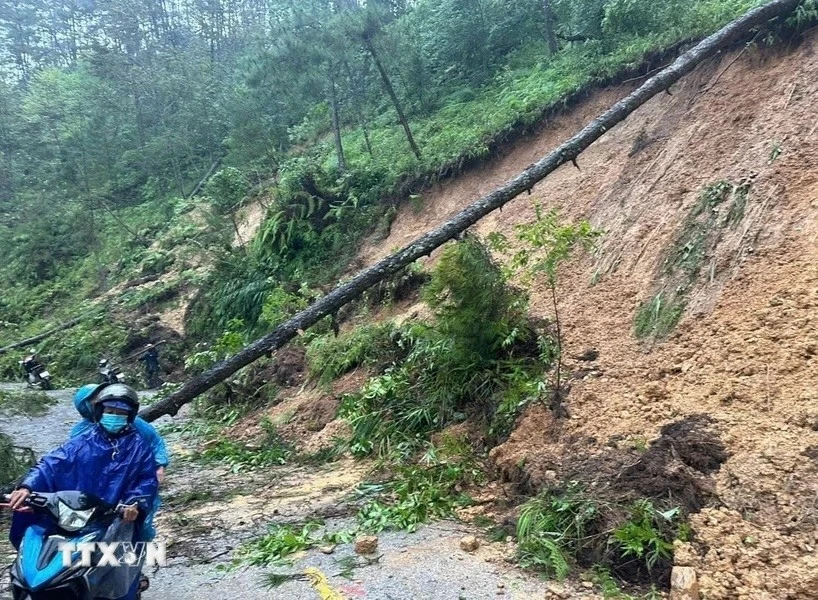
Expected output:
(557, 591)
(366, 544)
(328, 549)
(683, 584)
(469, 543)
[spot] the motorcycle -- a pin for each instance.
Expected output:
(109, 373)
(39, 572)
(36, 374)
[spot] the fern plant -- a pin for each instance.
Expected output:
(553, 528)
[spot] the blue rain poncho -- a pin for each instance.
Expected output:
(145, 429)
(116, 468)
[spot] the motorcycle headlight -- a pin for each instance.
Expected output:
(73, 520)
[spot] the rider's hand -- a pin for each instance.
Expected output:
(130, 513)
(18, 498)
(160, 474)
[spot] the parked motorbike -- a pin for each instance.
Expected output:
(38, 572)
(36, 374)
(108, 373)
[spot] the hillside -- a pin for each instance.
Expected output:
(686, 430)
(743, 351)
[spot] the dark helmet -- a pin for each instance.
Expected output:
(119, 395)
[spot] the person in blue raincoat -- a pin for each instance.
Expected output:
(83, 402)
(110, 460)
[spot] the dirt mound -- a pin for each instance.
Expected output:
(289, 369)
(673, 469)
(673, 466)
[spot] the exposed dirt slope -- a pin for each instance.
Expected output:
(745, 350)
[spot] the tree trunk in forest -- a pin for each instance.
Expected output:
(365, 128)
(336, 122)
(550, 34)
(423, 246)
(391, 91)
(45, 334)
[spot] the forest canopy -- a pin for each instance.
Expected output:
(113, 114)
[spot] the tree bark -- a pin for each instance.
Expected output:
(423, 246)
(550, 34)
(204, 179)
(387, 83)
(45, 334)
(336, 123)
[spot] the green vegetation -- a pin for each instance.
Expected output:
(14, 462)
(562, 528)
(696, 243)
(375, 346)
(25, 402)
(480, 354)
(553, 529)
(280, 542)
(658, 317)
(421, 493)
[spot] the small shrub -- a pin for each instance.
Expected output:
(648, 534)
(376, 345)
(480, 344)
(226, 189)
(553, 529)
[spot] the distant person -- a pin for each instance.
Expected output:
(151, 359)
(31, 361)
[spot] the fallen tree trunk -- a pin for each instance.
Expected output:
(45, 334)
(423, 246)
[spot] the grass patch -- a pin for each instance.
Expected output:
(25, 402)
(659, 315)
(720, 206)
(375, 346)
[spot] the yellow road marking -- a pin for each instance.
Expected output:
(319, 581)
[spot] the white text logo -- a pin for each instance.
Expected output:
(114, 554)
